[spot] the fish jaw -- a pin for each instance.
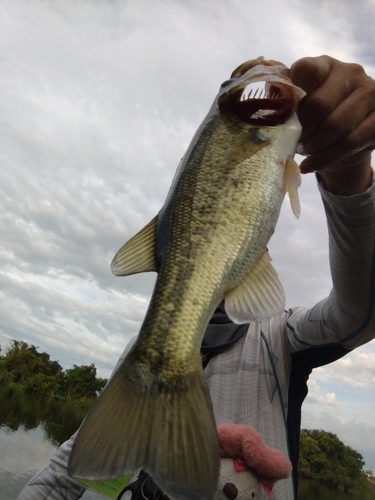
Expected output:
(259, 61)
(259, 70)
(276, 102)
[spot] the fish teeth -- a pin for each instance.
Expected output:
(261, 95)
(253, 92)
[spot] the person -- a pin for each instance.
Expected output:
(257, 373)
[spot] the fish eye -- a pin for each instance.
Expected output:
(226, 83)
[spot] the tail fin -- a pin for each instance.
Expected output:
(170, 434)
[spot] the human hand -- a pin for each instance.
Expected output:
(338, 122)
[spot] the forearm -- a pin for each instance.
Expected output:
(351, 225)
(346, 316)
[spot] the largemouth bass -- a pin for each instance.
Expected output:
(208, 243)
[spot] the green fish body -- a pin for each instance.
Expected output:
(208, 243)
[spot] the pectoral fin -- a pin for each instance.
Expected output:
(138, 254)
(292, 181)
(260, 295)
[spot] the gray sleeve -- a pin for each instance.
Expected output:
(53, 481)
(346, 316)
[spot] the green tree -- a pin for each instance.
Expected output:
(22, 363)
(323, 457)
(23, 367)
(81, 381)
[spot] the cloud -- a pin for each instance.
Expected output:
(98, 103)
(356, 370)
(330, 399)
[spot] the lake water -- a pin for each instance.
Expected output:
(31, 430)
(22, 453)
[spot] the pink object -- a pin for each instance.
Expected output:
(240, 465)
(244, 444)
(267, 487)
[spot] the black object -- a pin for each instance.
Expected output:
(143, 488)
(303, 363)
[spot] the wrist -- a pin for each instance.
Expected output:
(348, 181)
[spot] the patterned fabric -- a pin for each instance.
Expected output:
(52, 482)
(249, 382)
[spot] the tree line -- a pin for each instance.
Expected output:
(324, 458)
(22, 367)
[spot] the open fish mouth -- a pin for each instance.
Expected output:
(263, 104)
(260, 93)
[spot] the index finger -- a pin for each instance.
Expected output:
(310, 72)
(328, 83)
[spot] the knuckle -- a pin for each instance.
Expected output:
(354, 68)
(358, 76)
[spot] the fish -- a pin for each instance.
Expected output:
(208, 243)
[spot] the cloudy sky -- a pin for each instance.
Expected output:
(99, 100)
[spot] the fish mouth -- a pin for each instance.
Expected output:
(265, 104)
(260, 93)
